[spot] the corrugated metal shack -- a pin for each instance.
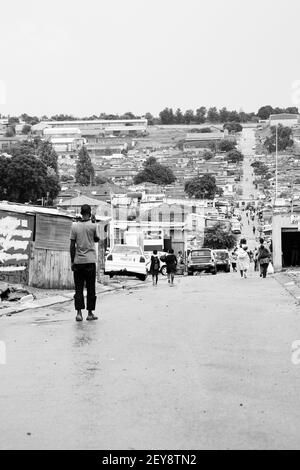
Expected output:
(34, 246)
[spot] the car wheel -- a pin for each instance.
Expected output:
(190, 273)
(142, 277)
(111, 275)
(164, 270)
(214, 272)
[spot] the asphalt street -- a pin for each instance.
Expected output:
(205, 364)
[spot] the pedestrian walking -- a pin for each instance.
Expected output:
(83, 262)
(154, 267)
(243, 260)
(171, 262)
(233, 259)
(255, 259)
(264, 256)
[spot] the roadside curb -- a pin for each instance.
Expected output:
(290, 286)
(59, 299)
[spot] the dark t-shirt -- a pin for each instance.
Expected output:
(171, 260)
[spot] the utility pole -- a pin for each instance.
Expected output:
(276, 164)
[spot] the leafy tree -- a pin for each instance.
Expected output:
(128, 115)
(13, 120)
(292, 110)
(167, 116)
(207, 155)
(234, 156)
(100, 180)
(234, 116)
(64, 178)
(63, 117)
(223, 113)
(52, 185)
(213, 115)
(200, 116)
(204, 130)
(201, 187)
(27, 179)
(284, 139)
(84, 169)
(179, 119)
(218, 238)
(188, 116)
(3, 172)
(226, 145)
(154, 172)
(10, 132)
(149, 118)
(233, 127)
(26, 129)
(48, 155)
(265, 111)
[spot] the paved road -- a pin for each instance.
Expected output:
(205, 364)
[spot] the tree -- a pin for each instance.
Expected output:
(179, 116)
(100, 180)
(218, 238)
(265, 111)
(52, 186)
(188, 116)
(3, 172)
(48, 155)
(10, 132)
(224, 113)
(203, 187)
(26, 129)
(233, 127)
(84, 169)
(234, 116)
(154, 172)
(207, 155)
(213, 115)
(27, 179)
(167, 116)
(284, 139)
(149, 118)
(200, 116)
(234, 156)
(226, 145)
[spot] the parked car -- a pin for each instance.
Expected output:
(201, 259)
(126, 260)
(163, 266)
(222, 259)
(236, 227)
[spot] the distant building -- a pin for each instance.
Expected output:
(285, 119)
(103, 127)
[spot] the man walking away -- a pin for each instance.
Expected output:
(263, 258)
(171, 262)
(154, 267)
(83, 260)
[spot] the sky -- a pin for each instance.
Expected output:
(114, 56)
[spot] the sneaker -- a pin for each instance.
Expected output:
(91, 317)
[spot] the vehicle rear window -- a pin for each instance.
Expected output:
(127, 249)
(201, 253)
